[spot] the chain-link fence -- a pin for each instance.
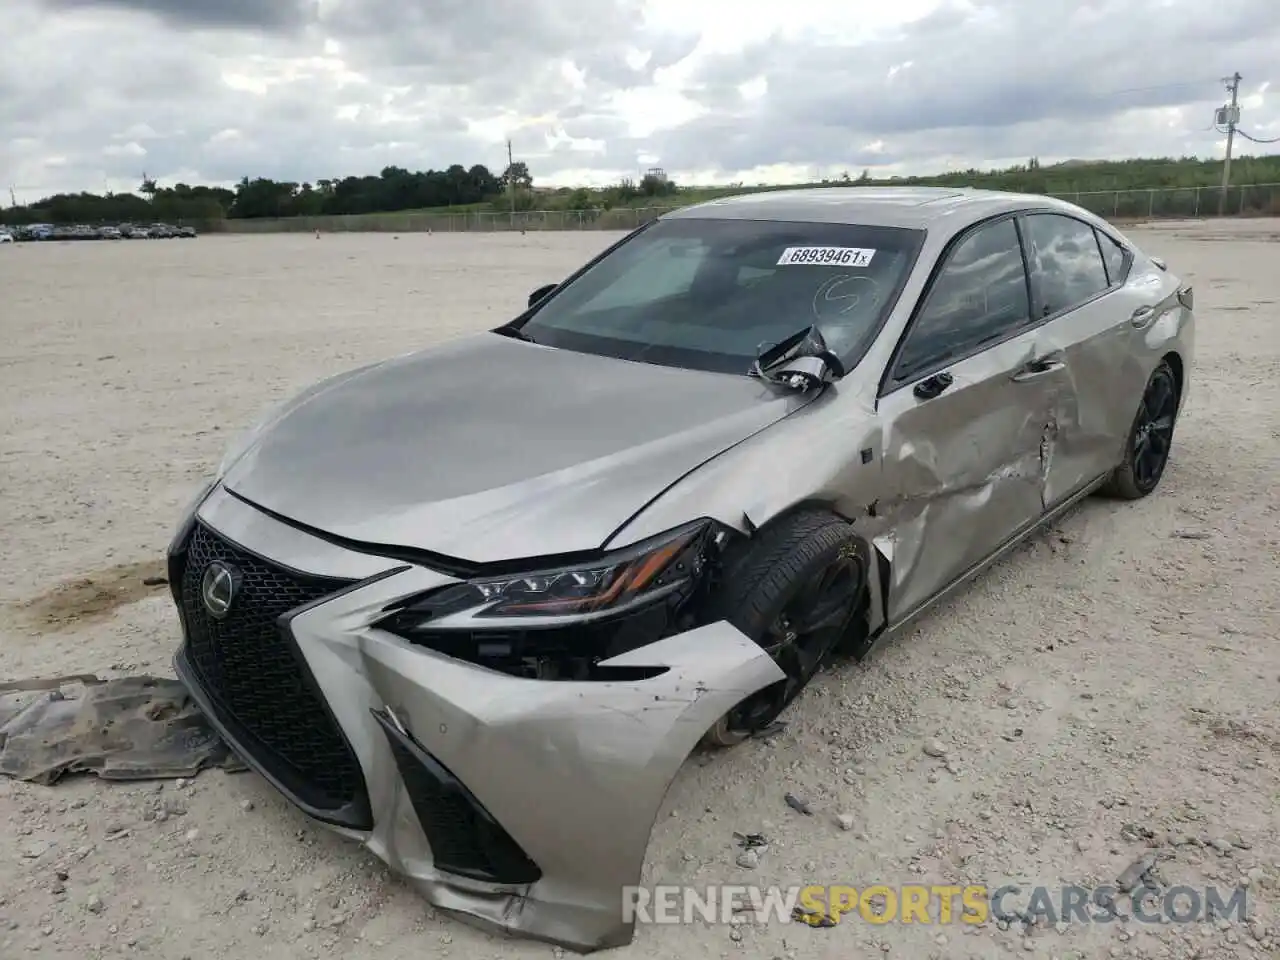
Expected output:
(471, 221)
(1257, 199)
(1261, 199)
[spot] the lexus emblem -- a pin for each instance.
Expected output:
(218, 588)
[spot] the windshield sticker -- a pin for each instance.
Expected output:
(826, 256)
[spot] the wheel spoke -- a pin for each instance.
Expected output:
(1156, 397)
(821, 616)
(807, 629)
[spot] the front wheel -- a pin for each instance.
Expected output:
(1150, 438)
(796, 591)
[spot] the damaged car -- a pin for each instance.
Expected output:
(475, 605)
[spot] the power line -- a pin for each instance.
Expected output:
(1256, 139)
(1179, 85)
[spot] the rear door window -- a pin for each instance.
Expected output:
(1065, 262)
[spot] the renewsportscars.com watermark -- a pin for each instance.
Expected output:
(926, 904)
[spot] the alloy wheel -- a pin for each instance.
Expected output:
(1153, 430)
(809, 626)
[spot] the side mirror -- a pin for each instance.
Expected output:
(540, 293)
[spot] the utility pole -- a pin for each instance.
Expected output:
(13, 200)
(511, 183)
(1233, 117)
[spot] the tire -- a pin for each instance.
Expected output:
(807, 556)
(1137, 476)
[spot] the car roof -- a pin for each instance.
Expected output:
(912, 207)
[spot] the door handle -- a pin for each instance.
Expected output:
(1142, 316)
(1041, 366)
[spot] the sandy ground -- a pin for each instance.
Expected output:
(1117, 677)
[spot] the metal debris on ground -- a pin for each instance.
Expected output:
(749, 840)
(814, 918)
(795, 803)
(1135, 873)
(131, 728)
(1136, 832)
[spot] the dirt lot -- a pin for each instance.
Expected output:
(1108, 692)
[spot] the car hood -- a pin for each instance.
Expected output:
(490, 448)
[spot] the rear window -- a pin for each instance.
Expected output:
(711, 294)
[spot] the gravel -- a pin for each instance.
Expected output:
(1104, 697)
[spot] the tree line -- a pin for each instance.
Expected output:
(398, 189)
(395, 188)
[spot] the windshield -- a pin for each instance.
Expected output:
(711, 294)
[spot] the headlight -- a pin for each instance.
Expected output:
(633, 577)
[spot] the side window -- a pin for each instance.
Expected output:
(1065, 262)
(1116, 258)
(980, 294)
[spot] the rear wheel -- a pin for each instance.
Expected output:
(1150, 438)
(797, 590)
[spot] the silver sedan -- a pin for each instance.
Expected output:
(474, 606)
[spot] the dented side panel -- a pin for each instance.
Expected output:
(1108, 363)
(1089, 419)
(981, 470)
(970, 467)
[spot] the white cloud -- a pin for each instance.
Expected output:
(592, 90)
(130, 149)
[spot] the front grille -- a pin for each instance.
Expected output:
(257, 680)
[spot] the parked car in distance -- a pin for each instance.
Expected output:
(464, 621)
(44, 231)
(6, 236)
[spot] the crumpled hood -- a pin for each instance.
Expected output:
(489, 448)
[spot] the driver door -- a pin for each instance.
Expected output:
(970, 396)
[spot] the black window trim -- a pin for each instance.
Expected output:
(890, 385)
(1127, 256)
(1112, 285)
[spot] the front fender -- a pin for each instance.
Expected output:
(574, 772)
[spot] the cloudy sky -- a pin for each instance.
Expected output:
(95, 92)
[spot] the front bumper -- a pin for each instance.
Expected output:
(525, 805)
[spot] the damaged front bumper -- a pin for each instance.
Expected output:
(524, 805)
